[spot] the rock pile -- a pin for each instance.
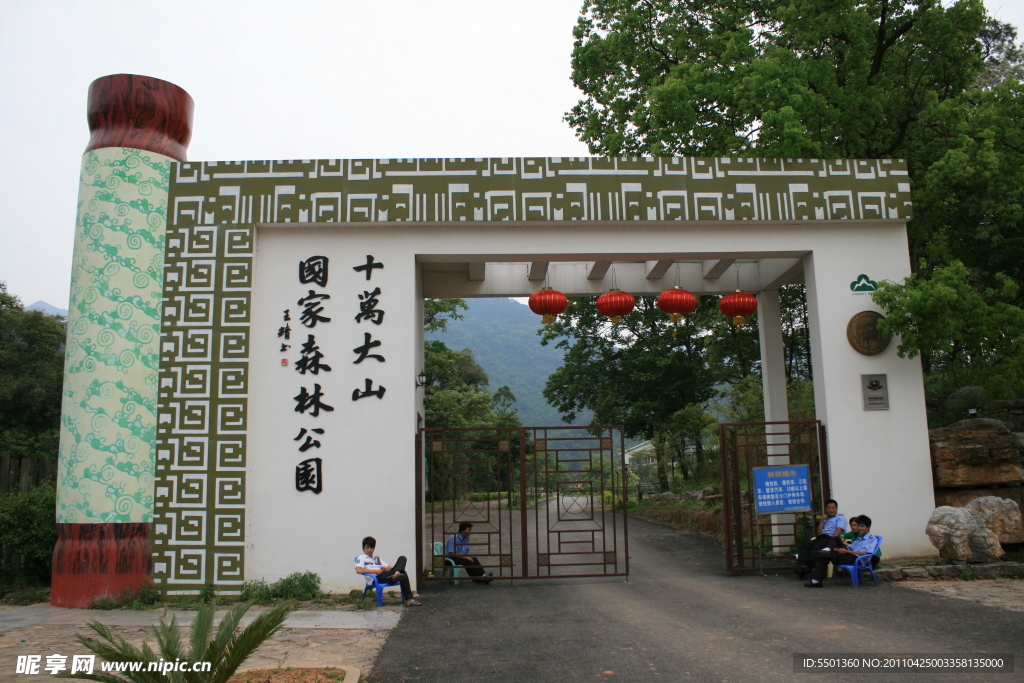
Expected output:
(978, 458)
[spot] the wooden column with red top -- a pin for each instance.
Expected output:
(105, 481)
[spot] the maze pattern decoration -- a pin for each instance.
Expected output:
(199, 512)
(444, 190)
(198, 535)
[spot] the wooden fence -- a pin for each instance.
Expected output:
(21, 474)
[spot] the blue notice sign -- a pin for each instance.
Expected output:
(782, 488)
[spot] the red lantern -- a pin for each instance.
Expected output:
(615, 304)
(677, 301)
(737, 306)
(548, 303)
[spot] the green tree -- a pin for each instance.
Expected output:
(461, 399)
(638, 374)
(438, 312)
(31, 379)
(793, 78)
(966, 337)
(28, 532)
(970, 199)
(937, 84)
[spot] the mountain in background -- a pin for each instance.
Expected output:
(502, 334)
(47, 309)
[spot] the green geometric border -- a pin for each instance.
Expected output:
(198, 533)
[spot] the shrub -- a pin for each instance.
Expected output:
(609, 499)
(28, 528)
(29, 596)
(305, 586)
(492, 495)
(146, 596)
(225, 649)
(297, 586)
(257, 591)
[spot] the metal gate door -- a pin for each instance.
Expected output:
(768, 541)
(544, 502)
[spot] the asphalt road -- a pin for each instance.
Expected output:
(681, 617)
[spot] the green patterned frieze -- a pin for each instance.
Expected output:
(108, 422)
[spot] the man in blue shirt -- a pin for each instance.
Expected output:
(457, 548)
(866, 544)
(829, 528)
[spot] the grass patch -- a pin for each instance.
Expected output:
(146, 596)
(686, 515)
(296, 587)
(27, 595)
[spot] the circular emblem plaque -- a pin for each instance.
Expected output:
(863, 334)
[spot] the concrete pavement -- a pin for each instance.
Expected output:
(38, 615)
(680, 618)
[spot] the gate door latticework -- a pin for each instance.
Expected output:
(768, 541)
(544, 501)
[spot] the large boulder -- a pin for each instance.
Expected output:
(950, 530)
(962, 497)
(978, 452)
(973, 532)
(998, 517)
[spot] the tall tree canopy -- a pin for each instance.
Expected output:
(31, 379)
(635, 374)
(934, 83)
(788, 78)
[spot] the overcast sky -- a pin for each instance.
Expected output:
(275, 80)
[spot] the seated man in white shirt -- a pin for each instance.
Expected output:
(369, 565)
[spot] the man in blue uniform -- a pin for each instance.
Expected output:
(865, 544)
(457, 548)
(829, 529)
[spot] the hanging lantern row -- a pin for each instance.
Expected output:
(677, 302)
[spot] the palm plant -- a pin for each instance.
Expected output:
(225, 649)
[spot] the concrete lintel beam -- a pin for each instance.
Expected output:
(510, 279)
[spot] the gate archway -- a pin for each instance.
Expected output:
(219, 463)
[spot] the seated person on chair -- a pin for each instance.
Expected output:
(829, 529)
(370, 565)
(457, 548)
(857, 529)
(866, 544)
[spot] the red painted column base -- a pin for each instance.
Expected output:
(93, 561)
